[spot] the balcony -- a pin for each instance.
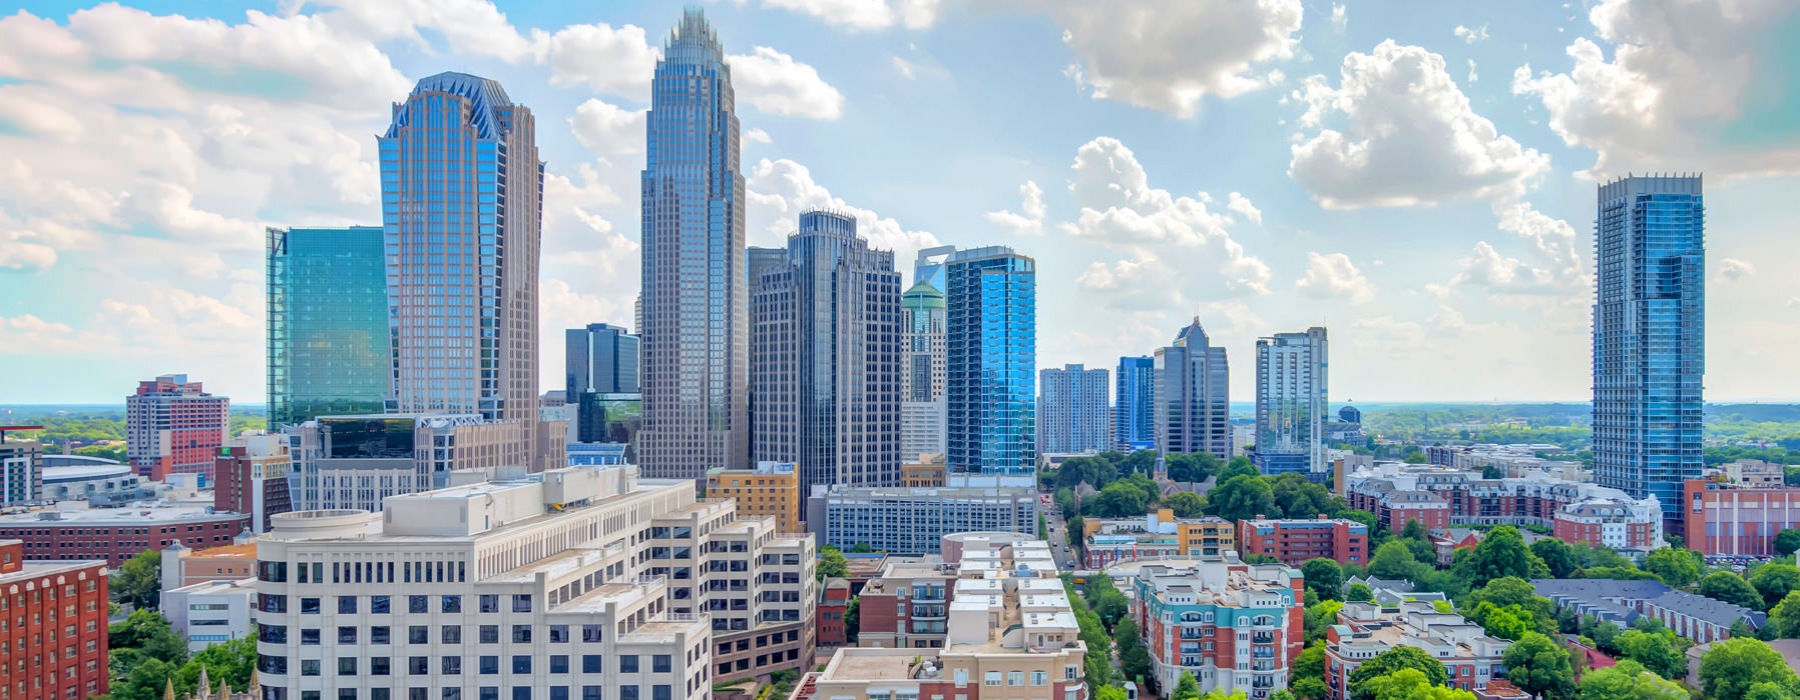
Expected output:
(1192, 633)
(1262, 638)
(1262, 653)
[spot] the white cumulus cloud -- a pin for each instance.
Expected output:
(1029, 223)
(1333, 276)
(774, 82)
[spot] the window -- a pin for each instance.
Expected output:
(1069, 672)
(559, 692)
(346, 635)
(490, 634)
(309, 637)
(452, 604)
(591, 633)
(521, 603)
(559, 663)
(346, 694)
(521, 664)
(1040, 678)
(660, 692)
(309, 667)
(378, 666)
(418, 665)
(628, 692)
(418, 604)
(489, 603)
(346, 665)
(451, 665)
(1015, 678)
(521, 634)
(378, 604)
(590, 663)
(990, 678)
(521, 692)
(453, 694)
(591, 692)
(451, 634)
(489, 693)
(418, 634)
(309, 606)
(559, 634)
(628, 663)
(659, 663)
(378, 635)
(490, 665)
(346, 605)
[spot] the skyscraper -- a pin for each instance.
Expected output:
(1291, 406)
(1649, 336)
(991, 362)
(1193, 397)
(600, 358)
(922, 371)
(462, 195)
(825, 356)
(694, 321)
(928, 266)
(1134, 410)
(172, 426)
(329, 347)
(1072, 410)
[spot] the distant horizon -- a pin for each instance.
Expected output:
(1234, 404)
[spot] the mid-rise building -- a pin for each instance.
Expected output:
(1693, 617)
(118, 534)
(21, 471)
(1293, 541)
(251, 476)
(184, 566)
(990, 361)
(355, 462)
(1158, 535)
(1193, 395)
(1649, 336)
(928, 472)
(914, 521)
(210, 612)
(172, 426)
(922, 371)
(922, 427)
(825, 355)
(62, 652)
(599, 361)
(770, 489)
(1134, 407)
(1236, 627)
(1291, 403)
(694, 311)
(1073, 413)
(1439, 498)
(834, 606)
(577, 582)
(329, 348)
(1730, 518)
(1754, 473)
(1366, 629)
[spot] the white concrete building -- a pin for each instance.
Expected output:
(211, 612)
(921, 428)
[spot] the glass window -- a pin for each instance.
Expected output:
(490, 634)
(659, 663)
(490, 665)
(418, 604)
(309, 606)
(590, 663)
(521, 664)
(346, 635)
(378, 604)
(628, 663)
(346, 605)
(559, 663)
(378, 635)
(452, 604)
(489, 603)
(378, 666)
(521, 603)
(346, 666)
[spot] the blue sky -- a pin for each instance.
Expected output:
(1417, 177)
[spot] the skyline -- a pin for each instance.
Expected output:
(1417, 319)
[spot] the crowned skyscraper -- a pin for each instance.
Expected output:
(694, 321)
(1193, 399)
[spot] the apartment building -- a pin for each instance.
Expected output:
(1690, 616)
(1441, 497)
(769, 488)
(118, 534)
(1297, 540)
(1158, 535)
(915, 521)
(1234, 626)
(572, 583)
(1366, 629)
(250, 475)
(62, 654)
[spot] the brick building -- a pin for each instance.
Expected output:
(61, 654)
(1158, 535)
(770, 488)
(1295, 541)
(250, 475)
(1442, 497)
(172, 426)
(1365, 630)
(834, 602)
(1235, 626)
(1726, 518)
(118, 534)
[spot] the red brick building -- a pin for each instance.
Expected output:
(1729, 519)
(173, 427)
(834, 602)
(1441, 498)
(118, 534)
(52, 627)
(906, 606)
(1292, 542)
(1235, 626)
(250, 476)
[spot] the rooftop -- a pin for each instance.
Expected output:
(228, 551)
(118, 516)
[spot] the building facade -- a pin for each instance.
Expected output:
(1158, 535)
(1727, 518)
(1073, 412)
(1296, 540)
(771, 489)
(1291, 403)
(914, 521)
(251, 476)
(356, 462)
(990, 363)
(1439, 498)
(1366, 629)
(118, 534)
(172, 426)
(329, 348)
(1236, 627)
(99, 483)
(694, 305)
(21, 471)
(210, 612)
(825, 355)
(1193, 395)
(62, 653)
(1649, 336)
(599, 360)
(1134, 407)
(922, 371)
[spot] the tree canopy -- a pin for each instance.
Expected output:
(1501, 553)
(1323, 575)
(1540, 666)
(1628, 681)
(1731, 588)
(1658, 651)
(1243, 497)
(1392, 661)
(1731, 667)
(1185, 504)
(1558, 556)
(138, 582)
(1676, 567)
(832, 563)
(1787, 542)
(1412, 684)
(1774, 581)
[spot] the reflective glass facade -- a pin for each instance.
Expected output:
(1649, 336)
(693, 308)
(1134, 410)
(1291, 403)
(1193, 397)
(327, 323)
(990, 359)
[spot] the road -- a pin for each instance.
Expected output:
(1059, 535)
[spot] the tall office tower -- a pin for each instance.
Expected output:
(825, 355)
(1291, 407)
(172, 426)
(694, 318)
(928, 267)
(1134, 413)
(330, 352)
(1649, 336)
(921, 371)
(1072, 411)
(1193, 398)
(990, 363)
(462, 198)
(601, 370)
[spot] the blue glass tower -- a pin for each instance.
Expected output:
(1134, 411)
(328, 328)
(1649, 336)
(991, 362)
(694, 317)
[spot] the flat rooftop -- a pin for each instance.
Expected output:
(34, 569)
(117, 516)
(229, 551)
(856, 663)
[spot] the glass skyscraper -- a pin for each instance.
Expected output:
(329, 350)
(1291, 406)
(825, 355)
(1193, 397)
(991, 362)
(1072, 410)
(600, 358)
(1649, 336)
(1134, 410)
(693, 306)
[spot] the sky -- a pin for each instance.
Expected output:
(1416, 177)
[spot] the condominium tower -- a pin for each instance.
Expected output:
(329, 347)
(1134, 410)
(694, 319)
(991, 362)
(922, 371)
(1193, 398)
(1649, 336)
(1291, 406)
(1072, 411)
(172, 426)
(825, 355)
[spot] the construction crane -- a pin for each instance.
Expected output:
(4, 429)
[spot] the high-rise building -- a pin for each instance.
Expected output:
(1291, 405)
(356, 462)
(990, 362)
(694, 319)
(1649, 337)
(601, 369)
(929, 266)
(251, 476)
(1193, 396)
(21, 471)
(922, 371)
(1134, 410)
(1072, 411)
(330, 351)
(172, 426)
(825, 355)
(462, 211)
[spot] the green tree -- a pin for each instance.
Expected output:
(1784, 618)
(1107, 692)
(1731, 667)
(1238, 466)
(1510, 622)
(1307, 676)
(1065, 502)
(1731, 588)
(1320, 616)
(1676, 567)
(139, 581)
(1323, 575)
(1415, 458)
(1282, 694)
(1187, 688)
(1656, 651)
(1296, 497)
(1242, 498)
(1787, 542)
(1768, 690)
(1185, 504)
(1774, 581)
(1606, 636)
(228, 662)
(1618, 573)
(1359, 593)
(1119, 499)
(1557, 555)
(1392, 661)
(145, 681)
(1501, 553)
(861, 548)
(1134, 657)
(1191, 466)
(832, 563)
(145, 636)
(1393, 560)
(1411, 684)
(1629, 680)
(853, 619)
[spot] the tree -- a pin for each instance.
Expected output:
(1501, 553)
(1134, 657)
(1628, 681)
(1065, 502)
(1107, 692)
(1323, 575)
(1729, 669)
(1767, 690)
(1238, 466)
(1241, 498)
(1392, 661)
(1307, 676)
(1415, 458)
(832, 563)
(1120, 499)
(145, 635)
(145, 681)
(1655, 651)
(1618, 573)
(1774, 581)
(1511, 622)
(139, 581)
(1187, 688)
(1282, 694)
(1676, 567)
(1540, 666)
(228, 662)
(1731, 588)
(1557, 555)
(853, 619)
(1393, 560)
(1787, 542)
(1296, 497)
(1191, 466)
(1359, 593)
(1185, 504)
(1606, 636)
(1318, 617)
(1784, 618)
(1415, 530)
(1411, 684)
(861, 548)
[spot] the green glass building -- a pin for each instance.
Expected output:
(329, 346)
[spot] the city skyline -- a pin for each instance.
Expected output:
(1482, 261)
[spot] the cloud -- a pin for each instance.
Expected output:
(1340, 18)
(904, 66)
(472, 26)
(1473, 76)
(1333, 276)
(600, 57)
(779, 190)
(1410, 137)
(1732, 270)
(1681, 75)
(607, 129)
(774, 82)
(1031, 223)
(757, 136)
(1242, 205)
(1132, 285)
(865, 14)
(1471, 36)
